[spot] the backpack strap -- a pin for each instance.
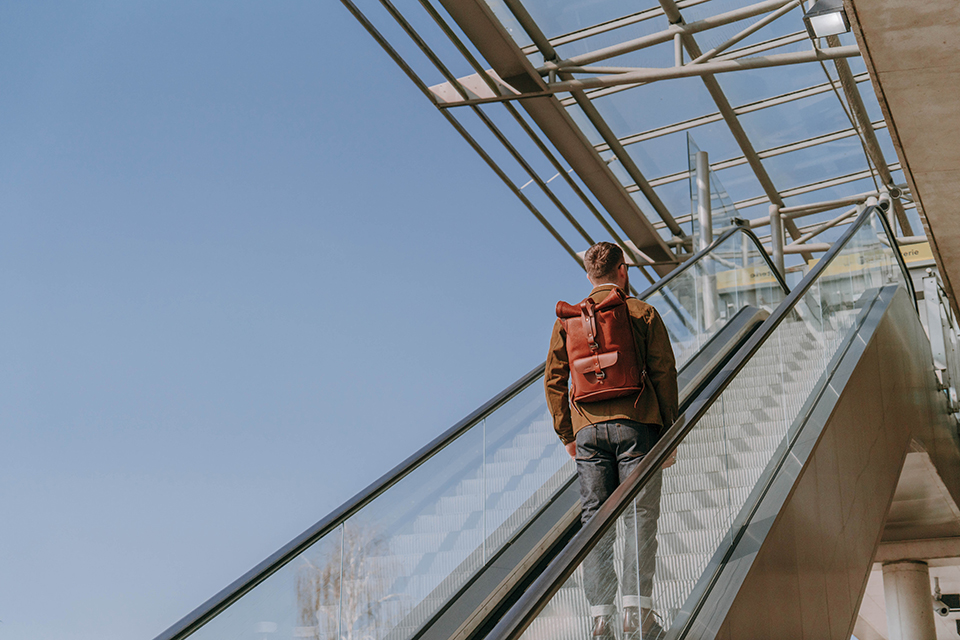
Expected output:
(588, 316)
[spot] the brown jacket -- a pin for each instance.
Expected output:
(658, 400)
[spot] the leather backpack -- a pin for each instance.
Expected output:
(601, 349)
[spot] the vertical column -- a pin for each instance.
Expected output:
(749, 295)
(906, 591)
(776, 237)
(704, 212)
(705, 218)
(931, 303)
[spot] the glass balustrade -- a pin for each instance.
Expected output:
(697, 302)
(724, 456)
(388, 568)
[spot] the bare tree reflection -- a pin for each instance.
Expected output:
(343, 592)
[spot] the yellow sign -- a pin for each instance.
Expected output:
(846, 262)
(919, 252)
(748, 276)
(843, 263)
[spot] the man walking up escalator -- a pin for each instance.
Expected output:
(611, 386)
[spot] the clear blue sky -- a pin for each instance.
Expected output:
(245, 269)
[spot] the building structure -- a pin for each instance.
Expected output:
(800, 130)
(662, 125)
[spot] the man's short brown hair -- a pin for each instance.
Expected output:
(602, 259)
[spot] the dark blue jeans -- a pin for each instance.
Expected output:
(607, 453)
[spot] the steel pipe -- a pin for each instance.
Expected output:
(828, 225)
(776, 237)
(705, 219)
(812, 247)
(756, 26)
(667, 34)
(613, 25)
(871, 144)
(706, 68)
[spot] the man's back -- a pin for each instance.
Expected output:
(657, 403)
(609, 439)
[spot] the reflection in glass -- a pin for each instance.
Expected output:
(301, 600)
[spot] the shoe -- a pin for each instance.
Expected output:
(631, 620)
(602, 629)
(651, 629)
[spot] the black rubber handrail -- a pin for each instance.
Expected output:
(536, 597)
(238, 588)
(713, 245)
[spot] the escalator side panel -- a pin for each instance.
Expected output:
(492, 587)
(470, 608)
(801, 566)
(397, 557)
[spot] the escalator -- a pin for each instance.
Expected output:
(445, 543)
(787, 461)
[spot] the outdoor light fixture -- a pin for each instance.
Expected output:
(826, 18)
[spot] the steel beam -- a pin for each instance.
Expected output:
(799, 211)
(705, 218)
(592, 114)
(667, 34)
(826, 205)
(716, 117)
(829, 224)
(478, 23)
(767, 153)
(793, 249)
(633, 76)
(756, 26)
(398, 59)
(815, 186)
(776, 237)
(862, 120)
(759, 47)
(612, 25)
(672, 12)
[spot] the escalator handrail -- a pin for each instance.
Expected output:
(245, 583)
(713, 245)
(536, 597)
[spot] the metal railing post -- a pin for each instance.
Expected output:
(776, 237)
(705, 238)
(931, 300)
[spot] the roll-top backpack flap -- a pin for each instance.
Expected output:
(614, 298)
(565, 310)
(601, 349)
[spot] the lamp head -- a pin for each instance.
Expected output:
(826, 18)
